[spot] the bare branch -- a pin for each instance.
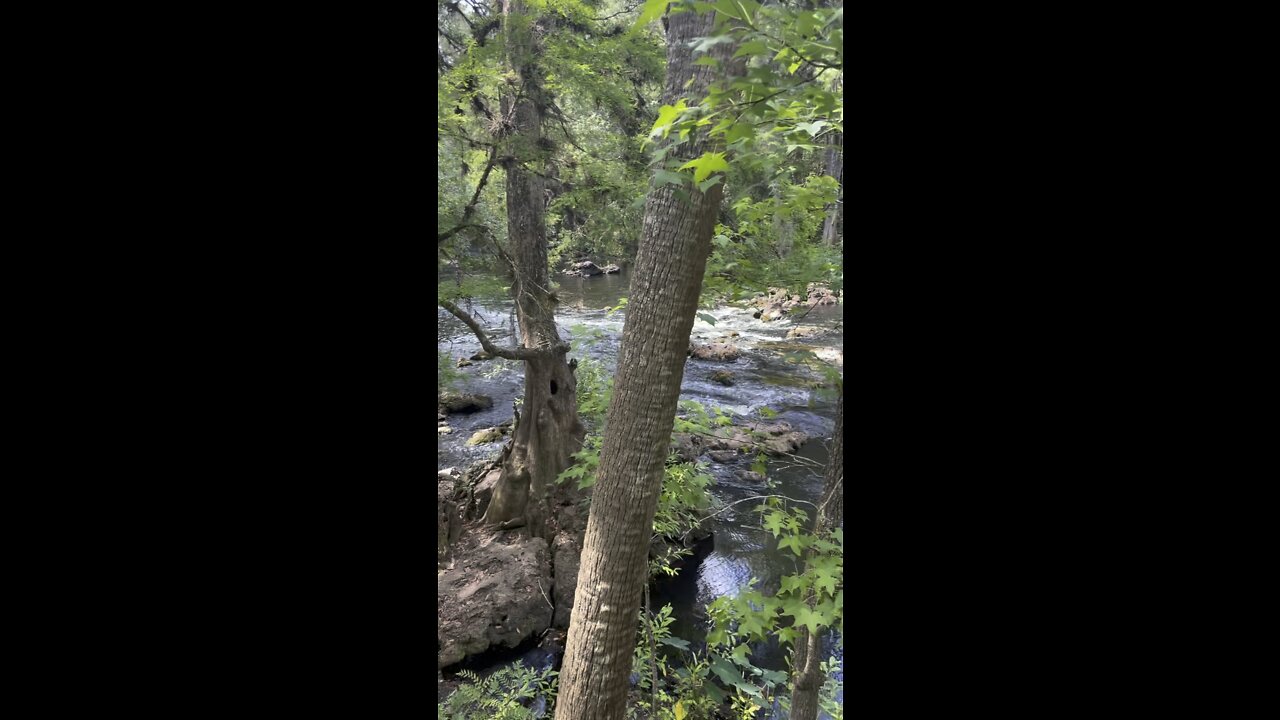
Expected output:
(489, 347)
(454, 231)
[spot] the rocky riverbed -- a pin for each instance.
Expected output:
(766, 363)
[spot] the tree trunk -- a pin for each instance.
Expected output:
(665, 286)
(807, 678)
(547, 430)
(833, 224)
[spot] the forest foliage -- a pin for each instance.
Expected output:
(777, 118)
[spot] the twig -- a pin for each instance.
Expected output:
(544, 597)
(739, 502)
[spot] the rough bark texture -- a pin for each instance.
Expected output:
(548, 429)
(807, 679)
(665, 285)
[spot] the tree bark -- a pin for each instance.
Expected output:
(665, 287)
(548, 431)
(807, 676)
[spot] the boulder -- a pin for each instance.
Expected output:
(610, 269)
(486, 435)
(773, 438)
(818, 294)
(494, 596)
(463, 362)
(463, 402)
(778, 302)
(723, 456)
(750, 476)
(773, 312)
(687, 446)
(723, 377)
(585, 268)
(817, 289)
(444, 430)
(775, 295)
(834, 356)
(718, 352)
(804, 331)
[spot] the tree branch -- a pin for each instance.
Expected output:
(454, 231)
(489, 347)
(471, 206)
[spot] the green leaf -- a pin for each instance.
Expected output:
(708, 319)
(667, 114)
(666, 177)
(701, 45)
(786, 634)
(728, 674)
(675, 642)
(651, 11)
(737, 9)
(739, 131)
(806, 617)
(791, 583)
(715, 693)
(702, 167)
(792, 541)
(825, 579)
(773, 676)
(773, 523)
(707, 185)
(753, 623)
(752, 47)
(715, 637)
(813, 128)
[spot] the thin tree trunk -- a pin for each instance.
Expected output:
(665, 286)
(833, 224)
(807, 676)
(548, 430)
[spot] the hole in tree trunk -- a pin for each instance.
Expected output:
(553, 387)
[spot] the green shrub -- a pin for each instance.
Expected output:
(502, 696)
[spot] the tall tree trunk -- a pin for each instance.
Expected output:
(548, 430)
(807, 676)
(833, 224)
(665, 286)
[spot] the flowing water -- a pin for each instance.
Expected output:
(765, 375)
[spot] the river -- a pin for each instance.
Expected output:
(765, 375)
